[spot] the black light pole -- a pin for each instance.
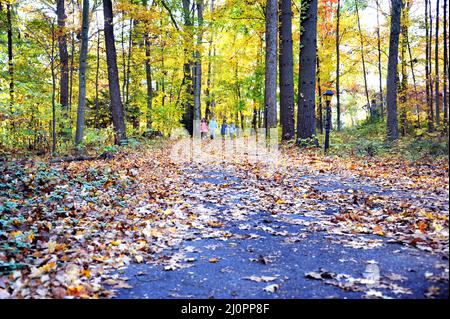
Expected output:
(328, 96)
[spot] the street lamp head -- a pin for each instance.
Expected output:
(328, 95)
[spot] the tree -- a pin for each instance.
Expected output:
(72, 57)
(380, 75)
(338, 65)
(82, 75)
(270, 94)
(403, 87)
(52, 68)
(286, 72)
(188, 98)
(429, 87)
(306, 119)
(392, 77)
(97, 76)
(209, 99)
(436, 69)
(117, 112)
(446, 68)
(10, 56)
(198, 64)
(63, 57)
(148, 75)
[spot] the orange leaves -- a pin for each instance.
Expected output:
(77, 291)
(377, 230)
(422, 226)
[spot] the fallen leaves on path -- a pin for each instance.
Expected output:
(67, 228)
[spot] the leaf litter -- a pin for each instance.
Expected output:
(66, 228)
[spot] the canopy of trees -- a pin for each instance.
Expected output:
(78, 73)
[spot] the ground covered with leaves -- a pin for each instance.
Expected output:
(82, 229)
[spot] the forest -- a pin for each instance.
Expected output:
(85, 75)
(137, 134)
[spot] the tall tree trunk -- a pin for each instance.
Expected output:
(380, 75)
(124, 63)
(188, 99)
(270, 94)
(427, 71)
(363, 57)
(306, 121)
(97, 76)
(148, 77)
(52, 67)
(392, 78)
(128, 73)
(338, 67)
(82, 75)
(63, 57)
(72, 60)
(436, 69)
(404, 82)
(286, 72)
(319, 92)
(208, 80)
(446, 73)
(10, 57)
(430, 77)
(148, 74)
(113, 74)
(198, 64)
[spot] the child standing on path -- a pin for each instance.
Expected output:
(213, 127)
(204, 129)
(232, 130)
(224, 129)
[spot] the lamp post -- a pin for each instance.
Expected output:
(328, 95)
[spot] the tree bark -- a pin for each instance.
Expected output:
(72, 60)
(82, 75)
(429, 61)
(306, 116)
(188, 99)
(319, 92)
(52, 67)
(436, 69)
(208, 94)
(198, 64)
(286, 72)
(10, 56)
(97, 76)
(446, 65)
(127, 79)
(270, 94)
(380, 75)
(338, 67)
(113, 74)
(392, 77)
(63, 57)
(404, 82)
(148, 75)
(427, 70)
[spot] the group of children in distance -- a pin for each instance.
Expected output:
(211, 127)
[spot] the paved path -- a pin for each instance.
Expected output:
(278, 256)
